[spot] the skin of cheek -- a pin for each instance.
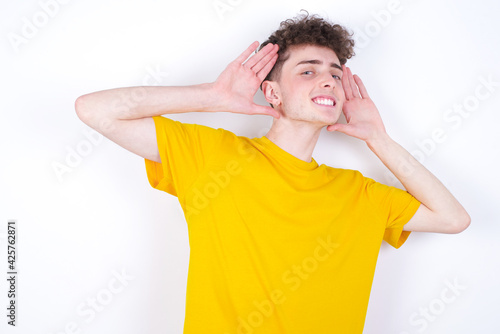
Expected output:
(294, 105)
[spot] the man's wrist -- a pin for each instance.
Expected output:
(379, 142)
(207, 97)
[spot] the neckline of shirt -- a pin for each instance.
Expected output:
(293, 160)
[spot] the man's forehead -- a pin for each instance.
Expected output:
(313, 54)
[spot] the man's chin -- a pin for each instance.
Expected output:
(331, 120)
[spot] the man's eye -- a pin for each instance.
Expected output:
(307, 72)
(336, 77)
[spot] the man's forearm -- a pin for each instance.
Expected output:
(419, 181)
(139, 102)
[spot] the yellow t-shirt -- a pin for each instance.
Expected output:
(277, 244)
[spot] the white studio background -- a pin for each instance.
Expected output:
(100, 251)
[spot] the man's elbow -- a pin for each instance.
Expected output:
(86, 110)
(80, 109)
(460, 223)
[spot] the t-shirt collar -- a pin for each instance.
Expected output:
(284, 155)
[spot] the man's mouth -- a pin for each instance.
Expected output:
(325, 101)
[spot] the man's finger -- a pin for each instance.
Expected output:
(346, 84)
(247, 53)
(256, 59)
(262, 74)
(352, 84)
(339, 127)
(362, 89)
(262, 110)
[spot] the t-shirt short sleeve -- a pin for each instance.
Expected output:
(185, 150)
(396, 207)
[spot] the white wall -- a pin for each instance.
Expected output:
(76, 232)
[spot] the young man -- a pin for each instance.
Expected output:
(279, 244)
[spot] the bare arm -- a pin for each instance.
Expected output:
(440, 210)
(124, 115)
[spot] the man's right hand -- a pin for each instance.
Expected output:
(237, 84)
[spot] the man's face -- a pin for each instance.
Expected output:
(310, 87)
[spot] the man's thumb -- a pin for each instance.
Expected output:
(266, 111)
(337, 127)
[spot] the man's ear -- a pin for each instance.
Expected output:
(271, 92)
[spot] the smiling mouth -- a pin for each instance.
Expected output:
(328, 102)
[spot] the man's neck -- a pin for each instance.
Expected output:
(296, 138)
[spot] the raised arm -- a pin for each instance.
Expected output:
(124, 115)
(439, 210)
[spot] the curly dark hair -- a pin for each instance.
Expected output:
(313, 30)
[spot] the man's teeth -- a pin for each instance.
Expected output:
(325, 102)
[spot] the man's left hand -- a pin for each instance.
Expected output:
(363, 119)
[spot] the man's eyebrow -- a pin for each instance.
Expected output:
(318, 62)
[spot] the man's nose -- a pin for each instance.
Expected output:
(327, 81)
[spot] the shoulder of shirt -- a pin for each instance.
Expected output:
(344, 172)
(198, 127)
(228, 141)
